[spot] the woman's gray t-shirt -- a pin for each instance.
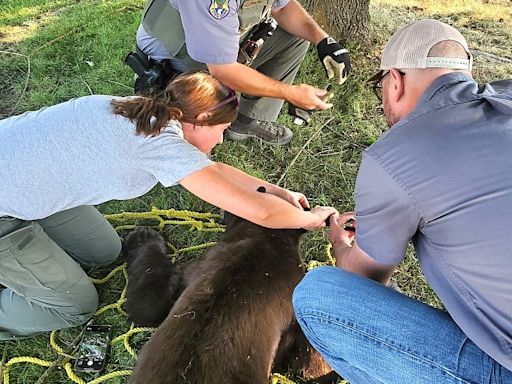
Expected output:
(80, 153)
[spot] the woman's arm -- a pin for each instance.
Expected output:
(236, 192)
(242, 178)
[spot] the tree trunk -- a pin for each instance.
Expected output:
(342, 19)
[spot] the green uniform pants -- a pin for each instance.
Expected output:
(279, 59)
(42, 268)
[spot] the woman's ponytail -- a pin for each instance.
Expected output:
(149, 113)
(185, 97)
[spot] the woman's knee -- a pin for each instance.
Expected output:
(107, 249)
(23, 316)
(83, 303)
(100, 249)
(85, 234)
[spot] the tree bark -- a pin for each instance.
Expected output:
(342, 19)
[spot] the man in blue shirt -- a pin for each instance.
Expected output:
(440, 177)
(206, 34)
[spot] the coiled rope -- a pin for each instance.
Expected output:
(196, 221)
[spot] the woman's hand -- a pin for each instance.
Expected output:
(321, 215)
(296, 199)
(338, 234)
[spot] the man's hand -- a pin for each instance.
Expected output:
(335, 59)
(338, 234)
(348, 254)
(308, 97)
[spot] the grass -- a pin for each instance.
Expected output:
(53, 50)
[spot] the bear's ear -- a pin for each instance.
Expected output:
(262, 189)
(228, 219)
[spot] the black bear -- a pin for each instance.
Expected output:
(232, 321)
(154, 283)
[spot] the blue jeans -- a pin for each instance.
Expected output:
(370, 333)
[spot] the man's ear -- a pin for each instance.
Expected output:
(397, 85)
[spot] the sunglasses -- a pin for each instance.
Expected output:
(377, 84)
(232, 97)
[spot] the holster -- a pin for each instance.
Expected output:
(251, 45)
(152, 76)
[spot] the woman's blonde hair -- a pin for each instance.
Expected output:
(184, 98)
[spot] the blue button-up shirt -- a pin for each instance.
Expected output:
(442, 177)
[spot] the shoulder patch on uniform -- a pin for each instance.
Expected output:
(219, 8)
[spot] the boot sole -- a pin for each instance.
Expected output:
(235, 136)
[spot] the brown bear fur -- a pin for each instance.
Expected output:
(233, 320)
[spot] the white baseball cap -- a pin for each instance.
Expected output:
(410, 45)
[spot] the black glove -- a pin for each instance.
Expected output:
(335, 59)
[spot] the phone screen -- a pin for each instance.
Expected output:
(92, 353)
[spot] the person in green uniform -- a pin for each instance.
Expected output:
(206, 34)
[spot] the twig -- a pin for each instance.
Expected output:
(342, 174)
(491, 56)
(26, 80)
(344, 135)
(68, 33)
(121, 84)
(302, 149)
(89, 88)
(4, 357)
(119, 366)
(60, 358)
(56, 39)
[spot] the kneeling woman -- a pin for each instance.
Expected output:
(56, 163)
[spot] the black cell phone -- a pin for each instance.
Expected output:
(93, 349)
